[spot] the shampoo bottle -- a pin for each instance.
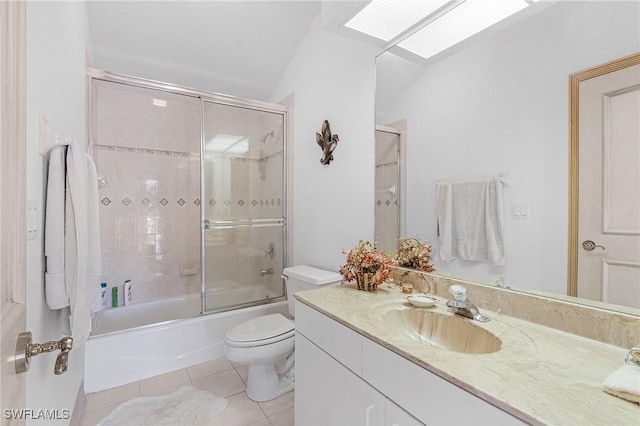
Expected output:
(127, 292)
(114, 297)
(103, 295)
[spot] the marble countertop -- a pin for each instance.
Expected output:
(540, 375)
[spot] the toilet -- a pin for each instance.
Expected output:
(266, 343)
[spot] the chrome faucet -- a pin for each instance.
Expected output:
(267, 271)
(460, 305)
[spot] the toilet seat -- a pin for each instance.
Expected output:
(261, 331)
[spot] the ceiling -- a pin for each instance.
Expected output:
(239, 47)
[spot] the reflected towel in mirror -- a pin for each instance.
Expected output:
(470, 220)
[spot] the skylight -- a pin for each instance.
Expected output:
(465, 20)
(431, 26)
(386, 19)
(227, 144)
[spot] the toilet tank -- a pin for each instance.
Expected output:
(303, 277)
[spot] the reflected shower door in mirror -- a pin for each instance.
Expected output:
(387, 183)
(244, 205)
(496, 104)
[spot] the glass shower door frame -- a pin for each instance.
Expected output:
(399, 178)
(256, 223)
(222, 99)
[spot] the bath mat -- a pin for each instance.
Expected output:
(186, 406)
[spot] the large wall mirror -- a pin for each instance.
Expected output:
(499, 105)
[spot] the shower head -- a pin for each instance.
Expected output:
(264, 138)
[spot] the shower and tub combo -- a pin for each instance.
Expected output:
(193, 209)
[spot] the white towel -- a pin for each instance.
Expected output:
(94, 272)
(72, 243)
(77, 242)
(624, 383)
(55, 290)
(445, 220)
(470, 221)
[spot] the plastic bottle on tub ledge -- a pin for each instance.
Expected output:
(103, 295)
(127, 292)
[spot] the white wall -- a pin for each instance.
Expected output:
(56, 39)
(502, 106)
(331, 78)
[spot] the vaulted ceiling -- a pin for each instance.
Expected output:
(236, 47)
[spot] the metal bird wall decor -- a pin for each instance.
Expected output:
(327, 142)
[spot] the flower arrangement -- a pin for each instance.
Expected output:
(413, 253)
(368, 265)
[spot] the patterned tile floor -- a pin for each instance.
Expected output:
(220, 377)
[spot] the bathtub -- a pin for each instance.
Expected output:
(141, 351)
(221, 294)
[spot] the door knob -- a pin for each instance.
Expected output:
(590, 245)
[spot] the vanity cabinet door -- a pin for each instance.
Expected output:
(334, 338)
(328, 393)
(396, 416)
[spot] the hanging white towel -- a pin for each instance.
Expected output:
(76, 243)
(55, 287)
(94, 273)
(470, 221)
(445, 221)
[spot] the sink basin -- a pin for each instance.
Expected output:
(451, 332)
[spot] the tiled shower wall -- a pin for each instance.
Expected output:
(149, 221)
(146, 145)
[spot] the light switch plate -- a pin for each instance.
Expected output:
(32, 219)
(520, 211)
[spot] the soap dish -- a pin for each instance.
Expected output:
(421, 301)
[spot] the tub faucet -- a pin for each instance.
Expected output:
(267, 271)
(460, 305)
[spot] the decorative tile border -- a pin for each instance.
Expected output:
(258, 160)
(383, 165)
(126, 201)
(143, 151)
(176, 153)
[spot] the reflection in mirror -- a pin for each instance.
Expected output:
(387, 201)
(500, 105)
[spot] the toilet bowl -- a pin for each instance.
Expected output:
(266, 343)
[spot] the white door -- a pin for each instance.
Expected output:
(609, 206)
(12, 203)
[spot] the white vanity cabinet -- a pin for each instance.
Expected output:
(328, 393)
(395, 416)
(344, 378)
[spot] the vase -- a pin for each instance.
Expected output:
(365, 282)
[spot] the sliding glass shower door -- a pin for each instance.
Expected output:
(243, 205)
(387, 183)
